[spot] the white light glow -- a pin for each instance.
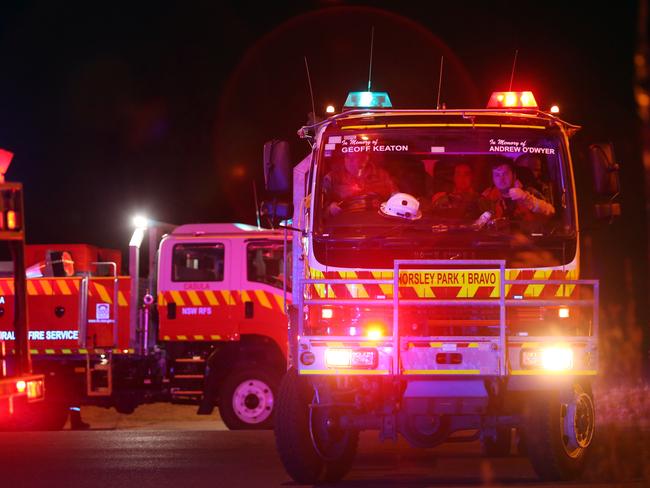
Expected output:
(338, 357)
(557, 358)
(140, 221)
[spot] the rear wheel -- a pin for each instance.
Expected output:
(247, 398)
(310, 442)
(45, 415)
(559, 432)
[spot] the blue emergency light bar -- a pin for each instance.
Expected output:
(367, 99)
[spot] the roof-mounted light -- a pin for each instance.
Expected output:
(509, 99)
(368, 99)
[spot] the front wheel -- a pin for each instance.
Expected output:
(310, 442)
(559, 432)
(247, 398)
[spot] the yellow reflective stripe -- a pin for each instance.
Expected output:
(435, 344)
(49, 351)
(358, 291)
(31, 289)
(517, 126)
(66, 351)
(121, 299)
(199, 338)
(194, 298)
(103, 294)
(215, 337)
(63, 286)
(355, 372)
(181, 337)
(227, 296)
(473, 344)
(47, 288)
(166, 338)
(362, 127)
(212, 300)
(244, 296)
(261, 296)
(178, 299)
(279, 300)
(442, 371)
(161, 298)
(528, 372)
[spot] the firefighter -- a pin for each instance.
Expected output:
(357, 180)
(508, 198)
(462, 201)
(532, 165)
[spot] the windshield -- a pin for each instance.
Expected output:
(443, 193)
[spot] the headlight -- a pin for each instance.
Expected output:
(351, 358)
(338, 358)
(556, 358)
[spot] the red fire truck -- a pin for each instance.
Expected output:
(436, 286)
(21, 391)
(215, 334)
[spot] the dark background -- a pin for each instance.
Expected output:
(114, 108)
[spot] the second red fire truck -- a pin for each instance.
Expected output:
(208, 326)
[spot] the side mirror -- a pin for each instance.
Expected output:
(276, 209)
(277, 166)
(607, 184)
(605, 169)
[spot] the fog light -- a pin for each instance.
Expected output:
(327, 313)
(563, 313)
(21, 386)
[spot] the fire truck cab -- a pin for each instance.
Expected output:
(436, 287)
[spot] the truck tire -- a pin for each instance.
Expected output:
(247, 397)
(45, 415)
(498, 446)
(559, 432)
(307, 454)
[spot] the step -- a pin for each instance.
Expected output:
(188, 376)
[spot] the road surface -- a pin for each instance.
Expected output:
(173, 448)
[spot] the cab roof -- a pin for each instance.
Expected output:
(392, 118)
(223, 229)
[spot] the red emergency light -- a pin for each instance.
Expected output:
(510, 99)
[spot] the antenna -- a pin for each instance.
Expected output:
(311, 92)
(442, 60)
(372, 42)
(257, 205)
(512, 75)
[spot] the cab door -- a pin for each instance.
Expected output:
(262, 291)
(195, 299)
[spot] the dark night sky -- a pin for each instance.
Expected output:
(164, 107)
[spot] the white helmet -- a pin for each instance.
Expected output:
(401, 205)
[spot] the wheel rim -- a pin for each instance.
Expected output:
(578, 424)
(252, 401)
